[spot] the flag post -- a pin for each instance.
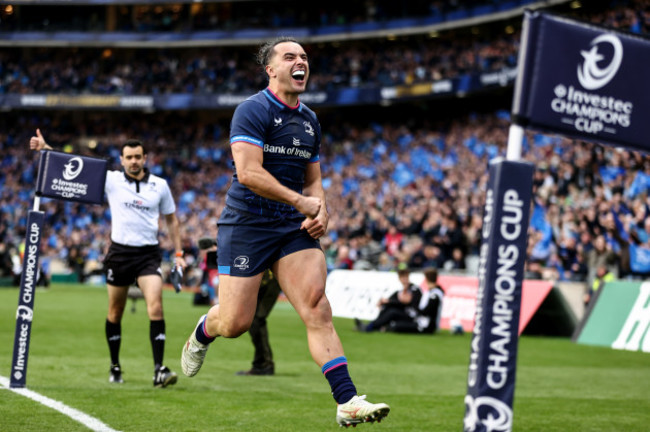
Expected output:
(65, 177)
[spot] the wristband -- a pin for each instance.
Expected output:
(179, 254)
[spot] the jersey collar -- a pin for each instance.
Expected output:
(144, 179)
(277, 101)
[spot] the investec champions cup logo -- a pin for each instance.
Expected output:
(66, 187)
(590, 112)
(490, 413)
(24, 313)
(73, 168)
(590, 74)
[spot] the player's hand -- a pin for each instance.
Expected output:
(37, 142)
(315, 227)
(309, 206)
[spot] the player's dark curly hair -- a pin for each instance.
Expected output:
(266, 51)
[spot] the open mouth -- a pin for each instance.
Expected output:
(298, 75)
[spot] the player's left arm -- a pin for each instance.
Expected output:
(316, 226)
(174, 233)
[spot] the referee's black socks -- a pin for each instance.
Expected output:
(114, 338)
(157, 337)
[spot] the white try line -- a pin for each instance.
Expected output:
(86, 420)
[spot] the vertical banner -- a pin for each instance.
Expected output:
(25, 311)
(493, 356)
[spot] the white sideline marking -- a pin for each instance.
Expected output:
(84, 419)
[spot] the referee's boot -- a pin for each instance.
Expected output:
(269, 370)
(115, 374)
(162, 377)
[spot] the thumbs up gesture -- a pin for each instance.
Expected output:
(38, 142)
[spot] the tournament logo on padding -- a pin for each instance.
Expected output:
(73, 168)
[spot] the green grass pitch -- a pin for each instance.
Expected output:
(560, 386)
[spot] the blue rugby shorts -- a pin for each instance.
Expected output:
(249, 244)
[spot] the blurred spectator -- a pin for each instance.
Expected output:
(600, 257)
(369, 252)
(456, 261)
(399, 310)
(533, 270)
(602, 276)
(430, 307)
(6, 265)
(77, 263)
(393, 240)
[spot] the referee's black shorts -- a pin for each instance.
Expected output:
(124, 264)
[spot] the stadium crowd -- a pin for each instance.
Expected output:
(398, 191)
(367, 63)
(228, 16)
(234, 15)
(233, 70)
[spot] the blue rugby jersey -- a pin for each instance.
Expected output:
(290, 138)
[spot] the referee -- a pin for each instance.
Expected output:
(136, 198)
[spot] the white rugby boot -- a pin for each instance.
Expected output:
(359, 410)
(193, 353)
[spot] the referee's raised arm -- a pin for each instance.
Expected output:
(38, 142)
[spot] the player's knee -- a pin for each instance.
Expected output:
(320, 312)
(317, 296)
(231, 332)
(233, 329)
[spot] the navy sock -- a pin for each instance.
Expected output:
(202, 335)
(157, 338)
(114, 338)
(336, 372)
